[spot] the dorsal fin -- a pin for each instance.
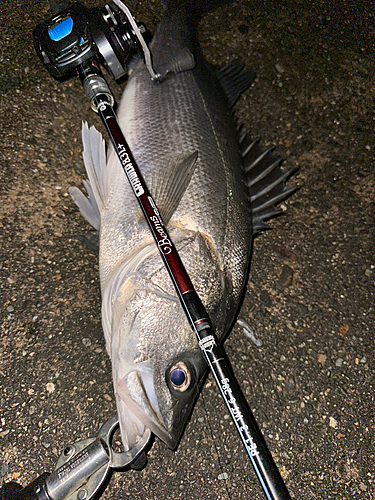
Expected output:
(235, 78)
(265, 179)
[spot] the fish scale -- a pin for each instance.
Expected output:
(218, 172)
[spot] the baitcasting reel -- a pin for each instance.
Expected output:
(76, 40)
(78, 35)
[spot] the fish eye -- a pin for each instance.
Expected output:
(179, 376)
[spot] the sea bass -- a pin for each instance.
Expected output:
(214, 190)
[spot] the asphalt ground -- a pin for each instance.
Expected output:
(310, 297)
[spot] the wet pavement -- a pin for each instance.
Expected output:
(310, 297)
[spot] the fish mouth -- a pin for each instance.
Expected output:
(162, 408)
(136, 390)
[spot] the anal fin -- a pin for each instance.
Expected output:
(97, 186)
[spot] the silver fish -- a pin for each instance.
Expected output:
(213, 189)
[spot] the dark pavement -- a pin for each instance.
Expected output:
(310, 297)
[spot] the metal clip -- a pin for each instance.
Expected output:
(83, 466)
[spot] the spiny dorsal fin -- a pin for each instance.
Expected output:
(235, 78)
(265, 180)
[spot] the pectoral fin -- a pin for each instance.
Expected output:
(168, 191)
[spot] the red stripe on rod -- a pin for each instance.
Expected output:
(165, 244)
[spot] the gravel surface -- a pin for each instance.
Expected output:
(310, 297)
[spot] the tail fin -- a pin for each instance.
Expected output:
(193, 9)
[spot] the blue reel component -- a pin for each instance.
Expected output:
(61, 30)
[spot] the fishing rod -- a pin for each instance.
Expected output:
(64, 44)
(242, 416)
